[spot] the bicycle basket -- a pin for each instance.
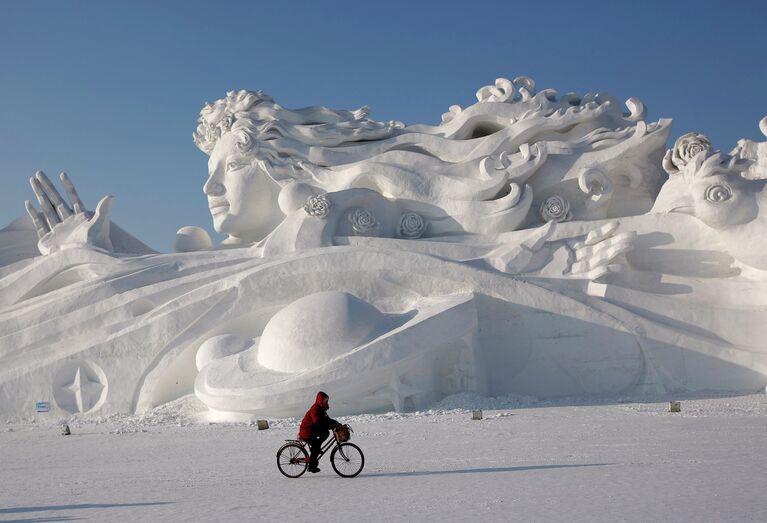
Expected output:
(342, 433)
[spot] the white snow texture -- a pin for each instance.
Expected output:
(531, 245)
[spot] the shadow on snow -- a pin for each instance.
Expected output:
(481, 470)
(18, 510)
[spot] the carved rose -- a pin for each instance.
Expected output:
(555, 208)
(685, 149)
(411, 225)
(318, 206)
(362, 220)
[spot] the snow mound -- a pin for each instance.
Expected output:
(184, 411)
(471, 401)
(724, 406)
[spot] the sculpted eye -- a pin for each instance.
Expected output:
(718, 193)
(233, 166)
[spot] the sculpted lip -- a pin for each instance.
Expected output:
(218, 206)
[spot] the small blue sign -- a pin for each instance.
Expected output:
(42, 406)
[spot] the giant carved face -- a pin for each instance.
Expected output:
(241, 197)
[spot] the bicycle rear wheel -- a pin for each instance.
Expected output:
(292, 460)
(347, 460)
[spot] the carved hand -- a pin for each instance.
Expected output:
(600, 254)
(60, 226)
(593, 258)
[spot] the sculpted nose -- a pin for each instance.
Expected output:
(213, 188)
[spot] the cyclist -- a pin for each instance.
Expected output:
(315, 428)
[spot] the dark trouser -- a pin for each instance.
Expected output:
(315, 446)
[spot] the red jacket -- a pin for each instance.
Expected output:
(316, 420)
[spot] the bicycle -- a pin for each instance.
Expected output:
(347, 458)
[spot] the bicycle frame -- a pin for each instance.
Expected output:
(326, 446)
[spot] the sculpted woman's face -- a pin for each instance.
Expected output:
(241, 197)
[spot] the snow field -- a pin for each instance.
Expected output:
(542, 462)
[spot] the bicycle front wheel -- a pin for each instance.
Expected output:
(292, 460)
(347, 460)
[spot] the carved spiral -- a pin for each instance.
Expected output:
(718, 193)
(244, 141)
(502, 91)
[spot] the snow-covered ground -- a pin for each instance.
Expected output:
(526, 461)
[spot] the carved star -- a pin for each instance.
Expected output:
(86, 392)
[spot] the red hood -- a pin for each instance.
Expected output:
(320, 396)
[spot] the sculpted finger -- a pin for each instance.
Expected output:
(623, 237)
(602, 273)
(602, 256)
(98, 232)
(598, 275)
(608, 254)
(615, 246)
(624, 241)
(45, 204)
(61, 208)
(101, 214)
(37, 219)
(597, 235)
(74, 198)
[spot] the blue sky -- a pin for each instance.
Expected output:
(110, 92)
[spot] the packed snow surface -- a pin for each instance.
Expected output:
(525, 461)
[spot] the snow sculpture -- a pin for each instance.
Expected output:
(531, 243)
(190, 238)
(712, 187)
(481, 171)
